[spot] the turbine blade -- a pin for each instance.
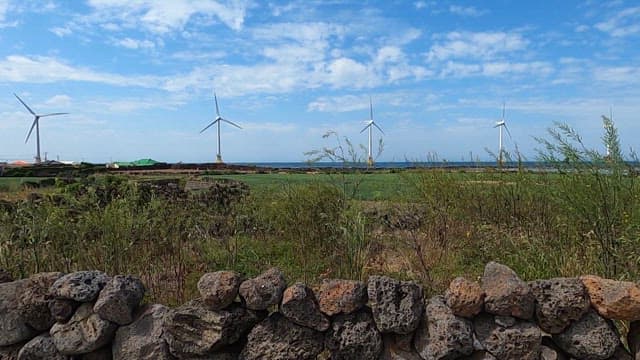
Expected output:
(216, 99)
(376, 125)
(508, 132)
(365, 128)
(25, 105)
(35, 121)
(503, 110)
(230, 122)
(208, 126)
(54, 114)
(370, 108)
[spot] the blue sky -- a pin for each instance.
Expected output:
(138, 76)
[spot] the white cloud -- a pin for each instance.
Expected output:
(59, 100)
(619, 74)
(41, 69)
(4, 7)
(61, 31)
(420, 4)
(339, 103)
(624, 23)
(493, 69)
(476, 45)
(135, 44)
(166, 16)
(469, 11)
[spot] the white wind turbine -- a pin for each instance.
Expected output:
(218, 120)
(370, 125)
(501, 124)
(36, 124)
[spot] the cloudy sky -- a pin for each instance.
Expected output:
(138, 76)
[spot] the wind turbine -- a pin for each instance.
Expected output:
(36, 124)
(501, 124)
(370, 125)
(218, 120)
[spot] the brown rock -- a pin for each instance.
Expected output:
(464, 297)
(219, 289)
(341, 296)
(299, 305)
(34, 301)
(83, 333)
(506, 293)
(264, 290)
(618, 300)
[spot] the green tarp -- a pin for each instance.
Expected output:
(140, 162)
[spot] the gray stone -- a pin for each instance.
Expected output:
(62, 309)
(40, 348)
(559, 302)
(264, 290)
(142, 339)
(505, 293)
(393, 350)
(104, 353)
(219, 289)
(299, 305)
(83, 333)
(464, 297)
(354, 336)
(592, 337)
(5, 276)
(81, 286)
(633, 339)
(277, 338)
(119, 299)
(193, 330)
(34, 301)
(443, 335)
(10, 352)
(13, 326)
(341, 296)
(518, 342)
(397, 306)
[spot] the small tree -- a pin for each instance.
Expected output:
(599, 193)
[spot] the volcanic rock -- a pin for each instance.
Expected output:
(264, 290)
(341, 296)
(119, 299)
(464, 297)
(81, 286)
(506, 293)
(219, 289)
(397, 306)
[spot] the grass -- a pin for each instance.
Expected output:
(428, 225)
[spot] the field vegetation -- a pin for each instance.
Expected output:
(429, 225)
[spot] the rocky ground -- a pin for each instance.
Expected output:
(91, 315)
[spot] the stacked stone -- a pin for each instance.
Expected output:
(89, 315)
(73, 316)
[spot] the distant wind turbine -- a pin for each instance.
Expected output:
(218, 120)
(36, 124)
(370, 125)
(501, 124)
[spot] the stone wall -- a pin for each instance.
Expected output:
(90, 315)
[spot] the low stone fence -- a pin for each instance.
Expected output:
(90, 315)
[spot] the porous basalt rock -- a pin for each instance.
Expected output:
(13, 326)
(354, 336)
(264, 290)
(41, 348)
(34, 301)
(219, 289)
(278, 338)
(341, 296)
(192, 330)
(522, 340)
(559, 302)
(464, 297)
(591, 337)
(619, 300)
(83, 333)
(119, 299)
(505, 293)
(142, 339)
(397, 306)
(81, 286)
(299, 305)
(443, 335)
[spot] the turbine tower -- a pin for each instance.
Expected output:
(36, 124)
(370, 125)
(501, 124)
(218, 120)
